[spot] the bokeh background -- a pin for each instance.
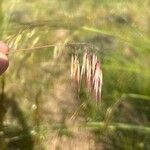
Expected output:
(40, 107)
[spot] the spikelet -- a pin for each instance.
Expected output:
(75, 68)
(30, 34)
(97, 81)
(87, 68)
(72, 66)
(94, 61)
(88, 72)
(78, 74)
(55, 53)
(17, 41)
(83, 69)
(101, 83)
(35, 41)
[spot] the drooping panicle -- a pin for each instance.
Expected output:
(90, 71)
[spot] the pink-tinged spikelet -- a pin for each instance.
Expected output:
(101, 83)
(78, 73)
(94, 61)
(88, 72)
(72, 67)
(75, 67)
(83, 69)
(97, 81)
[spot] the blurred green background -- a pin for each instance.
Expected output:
(40, 106)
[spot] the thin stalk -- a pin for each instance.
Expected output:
(120, 37)
(136, 96)
(53, 45)
(91, 126)
(2, 111)
(117, 126)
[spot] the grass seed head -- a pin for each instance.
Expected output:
(90, 71)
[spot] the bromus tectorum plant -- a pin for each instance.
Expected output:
(89, 72)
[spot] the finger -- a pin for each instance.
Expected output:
(4, 48)
(3, 63)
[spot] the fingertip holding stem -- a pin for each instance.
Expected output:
(4, 48)
(4, 63)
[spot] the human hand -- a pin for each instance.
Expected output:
(4, 63)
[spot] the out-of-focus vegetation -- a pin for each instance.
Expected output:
(40, 107)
